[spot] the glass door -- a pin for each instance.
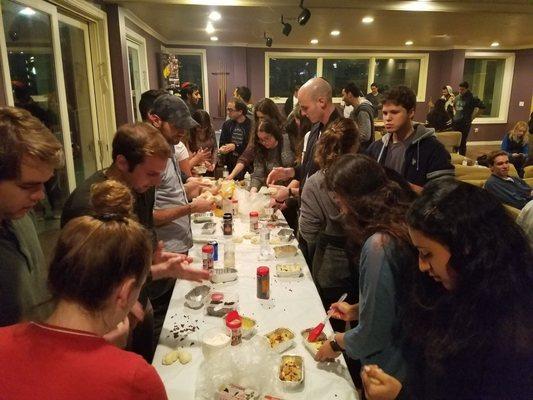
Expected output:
(134, 66)
(75, 56)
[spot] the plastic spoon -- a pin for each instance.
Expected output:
(317, 330)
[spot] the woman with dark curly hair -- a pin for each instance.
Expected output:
(373, 207)
(470, 319)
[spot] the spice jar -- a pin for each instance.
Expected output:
(227, 226)
(207, 257)
(235, 204)
(254, 221)
(263, 282)
(235, 331)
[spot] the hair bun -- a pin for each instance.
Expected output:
(111, 200)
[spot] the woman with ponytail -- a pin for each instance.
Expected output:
(96, 274)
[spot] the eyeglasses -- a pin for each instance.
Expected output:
(230, 109)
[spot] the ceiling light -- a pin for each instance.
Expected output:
(287, 28)
(214, 38)
(268, 40)
(494, 44)
(304, 15)
(27, 11)
(314, 41)
(367, 20)
(335, 33)
(409, 43)
(209, 28)
(215, 16)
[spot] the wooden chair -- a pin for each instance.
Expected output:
(451, 140)
(528, 172)
(471, 173)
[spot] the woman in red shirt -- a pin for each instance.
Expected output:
(95, 277)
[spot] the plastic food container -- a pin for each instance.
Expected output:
(280, 339)
(286, 235)
(285, 251)
(202, 217)
(313, 347)
(291, 371)
(221, 275)
(209, 228)
(196, 297)
(235, 392)
(220, 307)
(214, 339)
(289, 270)
(248, 326)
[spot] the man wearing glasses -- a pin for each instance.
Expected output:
(235, 134)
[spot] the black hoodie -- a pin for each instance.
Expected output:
(425, 158)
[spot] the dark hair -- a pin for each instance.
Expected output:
(147, 101)
(96, 254)
(440, 106)
(204, 120)
(270, 109)
(375, 203)
(493, 154)
(187, 89)
(374, 84)
(297, 133)
(464, 84)
(23, 134)
(494, 276)
(244, 93)
(401, 96)
(239, 105)
(353, 89)
(137, 141)
(270, 127)
(341, 137)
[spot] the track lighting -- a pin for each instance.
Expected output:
(287, 28)
(268, 40)
(304, 15)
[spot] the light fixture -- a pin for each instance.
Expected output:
(335, 33)
(304, 15)
(494, 44)
(367, 20)
(214, 16)
(214, 38)
(268, 40)
(287, 28)
(209, 28)
(409, 43)
(314, 41)
(27, 11)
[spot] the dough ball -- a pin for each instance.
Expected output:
(184, 356)
(170, 357)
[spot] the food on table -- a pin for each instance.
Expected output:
(200, 218)
(288, 270)
(291, 369)
(209, 228)
(237, 239)
(248, 326)
(235, 392)
(255, 240)
(280, 339)
(179, 354)
(275, 240)
(268, 191)
(184, 356)
(286, 234)
(313, 347)
(287, 250)
(199, 169)
(249, 235)
(196, 297)
(221, 275)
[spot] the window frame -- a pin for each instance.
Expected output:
(507, 82)
(136, 41)
(203, 57)
(371, 57)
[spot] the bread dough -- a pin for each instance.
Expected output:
(171, 357)
(184, 356)
(237, 239)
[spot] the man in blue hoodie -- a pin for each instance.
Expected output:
(410, 149)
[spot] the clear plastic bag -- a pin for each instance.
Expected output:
(250, 202)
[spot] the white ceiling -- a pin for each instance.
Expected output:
(441, 24)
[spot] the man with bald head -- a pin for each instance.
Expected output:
(316, 103)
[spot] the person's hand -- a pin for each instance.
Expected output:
(279, 174)
(178, 266)
(201, 156)
(227, 148)
(277, 206)
(282, 193)
(209, 166)
(119, 335)
(326, 352)
(345, 311)
(253, 190)
(379, 385)
(194, 187)
(199, 205)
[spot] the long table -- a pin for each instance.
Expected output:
(294, 303)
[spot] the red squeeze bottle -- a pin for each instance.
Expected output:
(317, 330)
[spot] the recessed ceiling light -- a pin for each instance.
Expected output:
(209, 28)
(314, 41)
(368, 20)
(27, 11)
(335, 33)
(215, 16)
(494, 44)
(409, 43)
(214, 38)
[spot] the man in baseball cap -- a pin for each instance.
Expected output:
(171, 116)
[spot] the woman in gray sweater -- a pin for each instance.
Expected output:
(272, 149)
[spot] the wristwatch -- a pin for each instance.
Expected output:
(335, 346)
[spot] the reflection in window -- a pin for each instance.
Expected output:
(340, 72)
(485, 77)
(190, 70)
(392, 72)
(285, 73)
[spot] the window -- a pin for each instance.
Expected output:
(390, 72)
(287, 72)
(339, 72)
(137, 69)
(283, 70)
(192, 68)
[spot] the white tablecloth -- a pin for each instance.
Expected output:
(294, 303)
